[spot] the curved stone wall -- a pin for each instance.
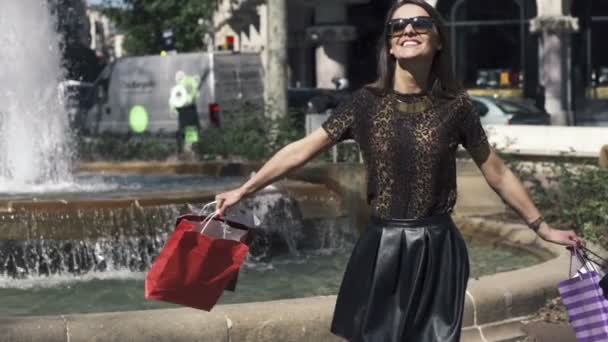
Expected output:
(494, 309)
(495, 305)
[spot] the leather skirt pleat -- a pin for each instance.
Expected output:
(405, 281)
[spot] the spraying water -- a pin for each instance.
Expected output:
(34, 128)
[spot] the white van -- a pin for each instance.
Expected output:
(140, 94)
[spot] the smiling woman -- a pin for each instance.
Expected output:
(407, 276)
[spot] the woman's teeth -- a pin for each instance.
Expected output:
(410, 43)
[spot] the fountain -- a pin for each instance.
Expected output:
(36, 176)
(34, 137)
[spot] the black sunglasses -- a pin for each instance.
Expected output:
(396, 27)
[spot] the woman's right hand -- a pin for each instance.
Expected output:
(227, 199)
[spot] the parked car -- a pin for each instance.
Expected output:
(302, 101)
(315, 100)
(498, 111)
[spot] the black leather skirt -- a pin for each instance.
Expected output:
(405, 281)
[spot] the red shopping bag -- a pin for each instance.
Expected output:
(201, 259)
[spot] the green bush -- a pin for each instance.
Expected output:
(119, 148)
(248, 135)
(572, 195)
(245, 135)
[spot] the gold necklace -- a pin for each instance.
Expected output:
(418, 105)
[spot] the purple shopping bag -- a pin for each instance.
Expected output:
(587, 308)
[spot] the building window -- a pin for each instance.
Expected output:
(493, 49)
(589, 54)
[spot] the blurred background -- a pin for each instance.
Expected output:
(546, 51)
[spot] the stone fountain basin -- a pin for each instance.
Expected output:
(315, 201)
(495, 305)
(62, 234)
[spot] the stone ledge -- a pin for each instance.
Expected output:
(213, 168)
(505, 331)
(494, 308)
(152, 325)
(299, 189)
(48, 329)
(508, 295)
(304, 319)
(315, 201)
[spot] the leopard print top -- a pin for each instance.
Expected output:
(409, 156)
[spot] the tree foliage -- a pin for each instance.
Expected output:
(143, 22)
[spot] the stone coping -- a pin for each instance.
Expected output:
(315, 201)
(296, 188)
(311, 181)
(494, 309)
(212, 168)
(496, 304)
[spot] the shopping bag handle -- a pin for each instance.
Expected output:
(575, 251)
(202, 211)
(225, 223)
(210, 218)
(587, 250)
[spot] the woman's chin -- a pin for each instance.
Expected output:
(406, 57)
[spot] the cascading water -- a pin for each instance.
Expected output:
(78, 242)
(34, 128)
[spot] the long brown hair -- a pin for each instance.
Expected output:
(442, 79)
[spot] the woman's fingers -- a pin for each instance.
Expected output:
(220, 204)
(221, 209)
(226, 200)
(577, 240)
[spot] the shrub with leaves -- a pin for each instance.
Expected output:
(572, 195)
(248, 135)
(245, 135)
(118, 148)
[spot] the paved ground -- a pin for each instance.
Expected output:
(549, 332)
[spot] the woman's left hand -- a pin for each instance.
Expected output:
(562, 237)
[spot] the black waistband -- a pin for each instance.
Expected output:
(434, 220)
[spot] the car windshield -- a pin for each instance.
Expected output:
(512, 107)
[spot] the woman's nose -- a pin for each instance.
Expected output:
(409, 30)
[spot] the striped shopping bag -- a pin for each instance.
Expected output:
(587, 308)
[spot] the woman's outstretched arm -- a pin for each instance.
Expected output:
(286, 159)
(508, 186)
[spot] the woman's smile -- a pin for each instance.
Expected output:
(410, 42)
